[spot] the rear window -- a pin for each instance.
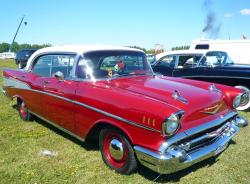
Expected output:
(202, 46)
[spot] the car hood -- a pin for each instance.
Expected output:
(197, 103)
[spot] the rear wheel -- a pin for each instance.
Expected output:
(117, 151)
(246, 103)
(24, 112)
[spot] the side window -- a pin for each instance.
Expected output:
(42, 66)
(188, 61)
(62, 63)
(167, 61)
(47, 65)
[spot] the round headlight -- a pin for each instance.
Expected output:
(237, 101)
(171, 125)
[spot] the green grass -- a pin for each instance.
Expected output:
(20, 162)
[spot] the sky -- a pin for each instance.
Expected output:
(141, 23)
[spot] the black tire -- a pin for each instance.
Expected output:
(24, 113)
(125, 165)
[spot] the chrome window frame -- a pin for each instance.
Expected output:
(34, 60)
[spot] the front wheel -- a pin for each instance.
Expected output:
(117, 151)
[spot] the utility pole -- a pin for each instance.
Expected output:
(25, 23)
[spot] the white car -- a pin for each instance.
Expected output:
(7, 55)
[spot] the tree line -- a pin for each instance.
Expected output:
(153, 51)
(4, 47)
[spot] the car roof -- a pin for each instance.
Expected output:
(175, 52)
(80, 49)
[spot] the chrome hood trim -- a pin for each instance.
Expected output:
(176, 95)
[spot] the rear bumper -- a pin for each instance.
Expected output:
(179, 156)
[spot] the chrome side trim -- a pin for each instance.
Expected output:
(12, 82)
(58, 127)
(116, 117)
(99, 111)
(180, 136)
(88, 107)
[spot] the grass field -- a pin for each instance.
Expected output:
(21, 143)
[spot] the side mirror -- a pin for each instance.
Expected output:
(58, 75)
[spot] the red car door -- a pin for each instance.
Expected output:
(56, 96)
(58, 104)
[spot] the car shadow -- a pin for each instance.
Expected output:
(86, 145)
(174, 177)
(90, 145)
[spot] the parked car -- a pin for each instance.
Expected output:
(7, 55)
(210, 66)
(22, 57)
(167, 124)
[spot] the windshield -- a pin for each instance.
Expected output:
(110, 64)
(216, 58)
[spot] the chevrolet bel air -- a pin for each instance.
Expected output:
(111, 94)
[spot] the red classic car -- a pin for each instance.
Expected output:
(111, 93)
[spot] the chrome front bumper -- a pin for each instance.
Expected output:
(182, 151)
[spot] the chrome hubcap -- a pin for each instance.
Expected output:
(116, 149)
(23, 109)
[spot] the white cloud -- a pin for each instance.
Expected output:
(228, 15)
(245, 12)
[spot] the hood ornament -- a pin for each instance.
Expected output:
(176, 95)
(212, 87)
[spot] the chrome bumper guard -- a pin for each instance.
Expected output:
(190, 149)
